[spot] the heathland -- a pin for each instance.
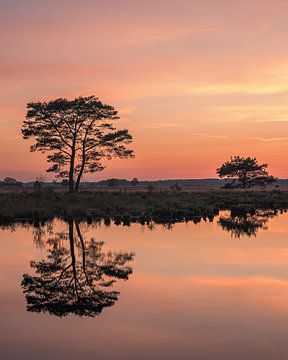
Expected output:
(125, 206)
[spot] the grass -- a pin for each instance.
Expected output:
(126, 207)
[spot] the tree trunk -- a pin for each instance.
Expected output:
(71, 173)
(77, 185)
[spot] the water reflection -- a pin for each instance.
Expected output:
(76, 277)
(246, 224)
(231, 296)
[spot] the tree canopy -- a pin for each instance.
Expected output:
(245, 173)
(134, 182)
(77, 135)
(10, 181)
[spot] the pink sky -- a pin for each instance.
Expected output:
(195, 82)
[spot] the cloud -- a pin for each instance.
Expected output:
(126, 110)
(253, 89)
(270, 139)
(160, 125)
(280, 120)
(210, 135)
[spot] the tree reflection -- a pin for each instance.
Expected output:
(247, 224)
(76, 278)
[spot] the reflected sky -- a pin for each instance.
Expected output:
(195, 292)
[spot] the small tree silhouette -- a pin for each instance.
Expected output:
(10, 181)
(245, 173)
(134, 182)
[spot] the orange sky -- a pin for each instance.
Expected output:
(195, 82)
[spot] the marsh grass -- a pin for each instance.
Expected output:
(126, 207)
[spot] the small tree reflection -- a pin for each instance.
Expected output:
(71, 281)
(246, 224)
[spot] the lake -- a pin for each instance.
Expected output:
(198, 290)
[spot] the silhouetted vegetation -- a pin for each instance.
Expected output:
(76, 277)
(239, 224)
(77, 134)
(126, 207)
(11, 182)
(245, 173)
(176, 187)
(113, 182)
(39, 183)
(185, 184)
(65, 182)
(134, 182)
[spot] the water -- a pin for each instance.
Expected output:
(212, 290)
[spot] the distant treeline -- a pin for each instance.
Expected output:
(124, 183)
(184, 183)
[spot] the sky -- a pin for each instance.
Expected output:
(195, 82)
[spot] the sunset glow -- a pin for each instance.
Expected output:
(194, 82)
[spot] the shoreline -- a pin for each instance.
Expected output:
(123, 207)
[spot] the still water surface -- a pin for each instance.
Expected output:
(211, 290)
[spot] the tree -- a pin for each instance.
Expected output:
(134, 182)
(245, 173)
(9, 181)
(75, 279)
(77, 134)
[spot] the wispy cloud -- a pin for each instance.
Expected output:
(279, 119)
(244, 89)
(211, 135)
(127, 110)
(270, 139)
(160, 125)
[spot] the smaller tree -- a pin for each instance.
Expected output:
(245, 173)
(9, 181)
(134, 182)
